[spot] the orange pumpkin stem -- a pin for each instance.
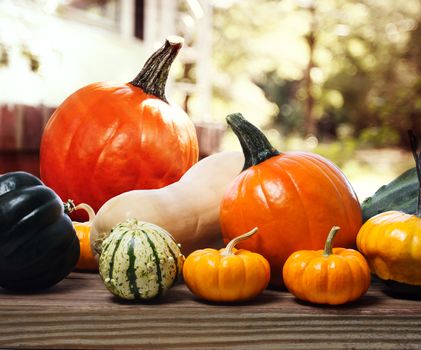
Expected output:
(70, 207)
(256, 147)
(329, 241)
(416, 151)
(228, 249)
(154, 74)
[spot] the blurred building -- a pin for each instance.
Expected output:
(50, 48)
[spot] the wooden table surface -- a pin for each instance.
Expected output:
(80, 313)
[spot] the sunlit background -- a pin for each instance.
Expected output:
(337, 77)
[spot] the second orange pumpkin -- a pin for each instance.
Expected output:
(293, 197)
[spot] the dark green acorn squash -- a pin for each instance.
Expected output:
(38, 244)
(401, 194)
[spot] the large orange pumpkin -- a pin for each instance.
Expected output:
(293, 197)
(109, 138)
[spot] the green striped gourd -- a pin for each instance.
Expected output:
(139, 260)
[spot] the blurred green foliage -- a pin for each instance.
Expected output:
(366, 77)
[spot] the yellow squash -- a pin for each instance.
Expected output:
(391, 242)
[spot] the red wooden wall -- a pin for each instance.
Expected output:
(21, 128)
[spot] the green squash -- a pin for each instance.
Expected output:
(401, 194)
(38, 244)
(139, 260)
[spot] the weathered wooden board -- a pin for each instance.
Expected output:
(80, 313)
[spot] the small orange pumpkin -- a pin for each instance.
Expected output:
(87, 260)
(228, 274)
(330, 276)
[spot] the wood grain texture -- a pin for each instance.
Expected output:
(80, 313)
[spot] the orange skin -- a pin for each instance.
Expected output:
(239, 276)
(339, 278)
(87, 261)
(391, 242)
(214, 277)
(294, 198)
(107, 138)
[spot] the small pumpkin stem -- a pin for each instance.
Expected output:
(416, 152)
(329, 241)
(228, 249)
(154, 74)
(256, 147)
(70, 207)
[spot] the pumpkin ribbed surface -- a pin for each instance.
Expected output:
(107, 137)
(391, 242)
(139, 260)
(292, 197)
(115, 137)
(38, 244)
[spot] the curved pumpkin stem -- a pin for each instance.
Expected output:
(154, 74)
(70, 207)
(416, 152)
(228, 249)
(329, 241)
(256, 147)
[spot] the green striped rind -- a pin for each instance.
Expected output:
(139, 260)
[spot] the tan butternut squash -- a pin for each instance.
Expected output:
(187, 209)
